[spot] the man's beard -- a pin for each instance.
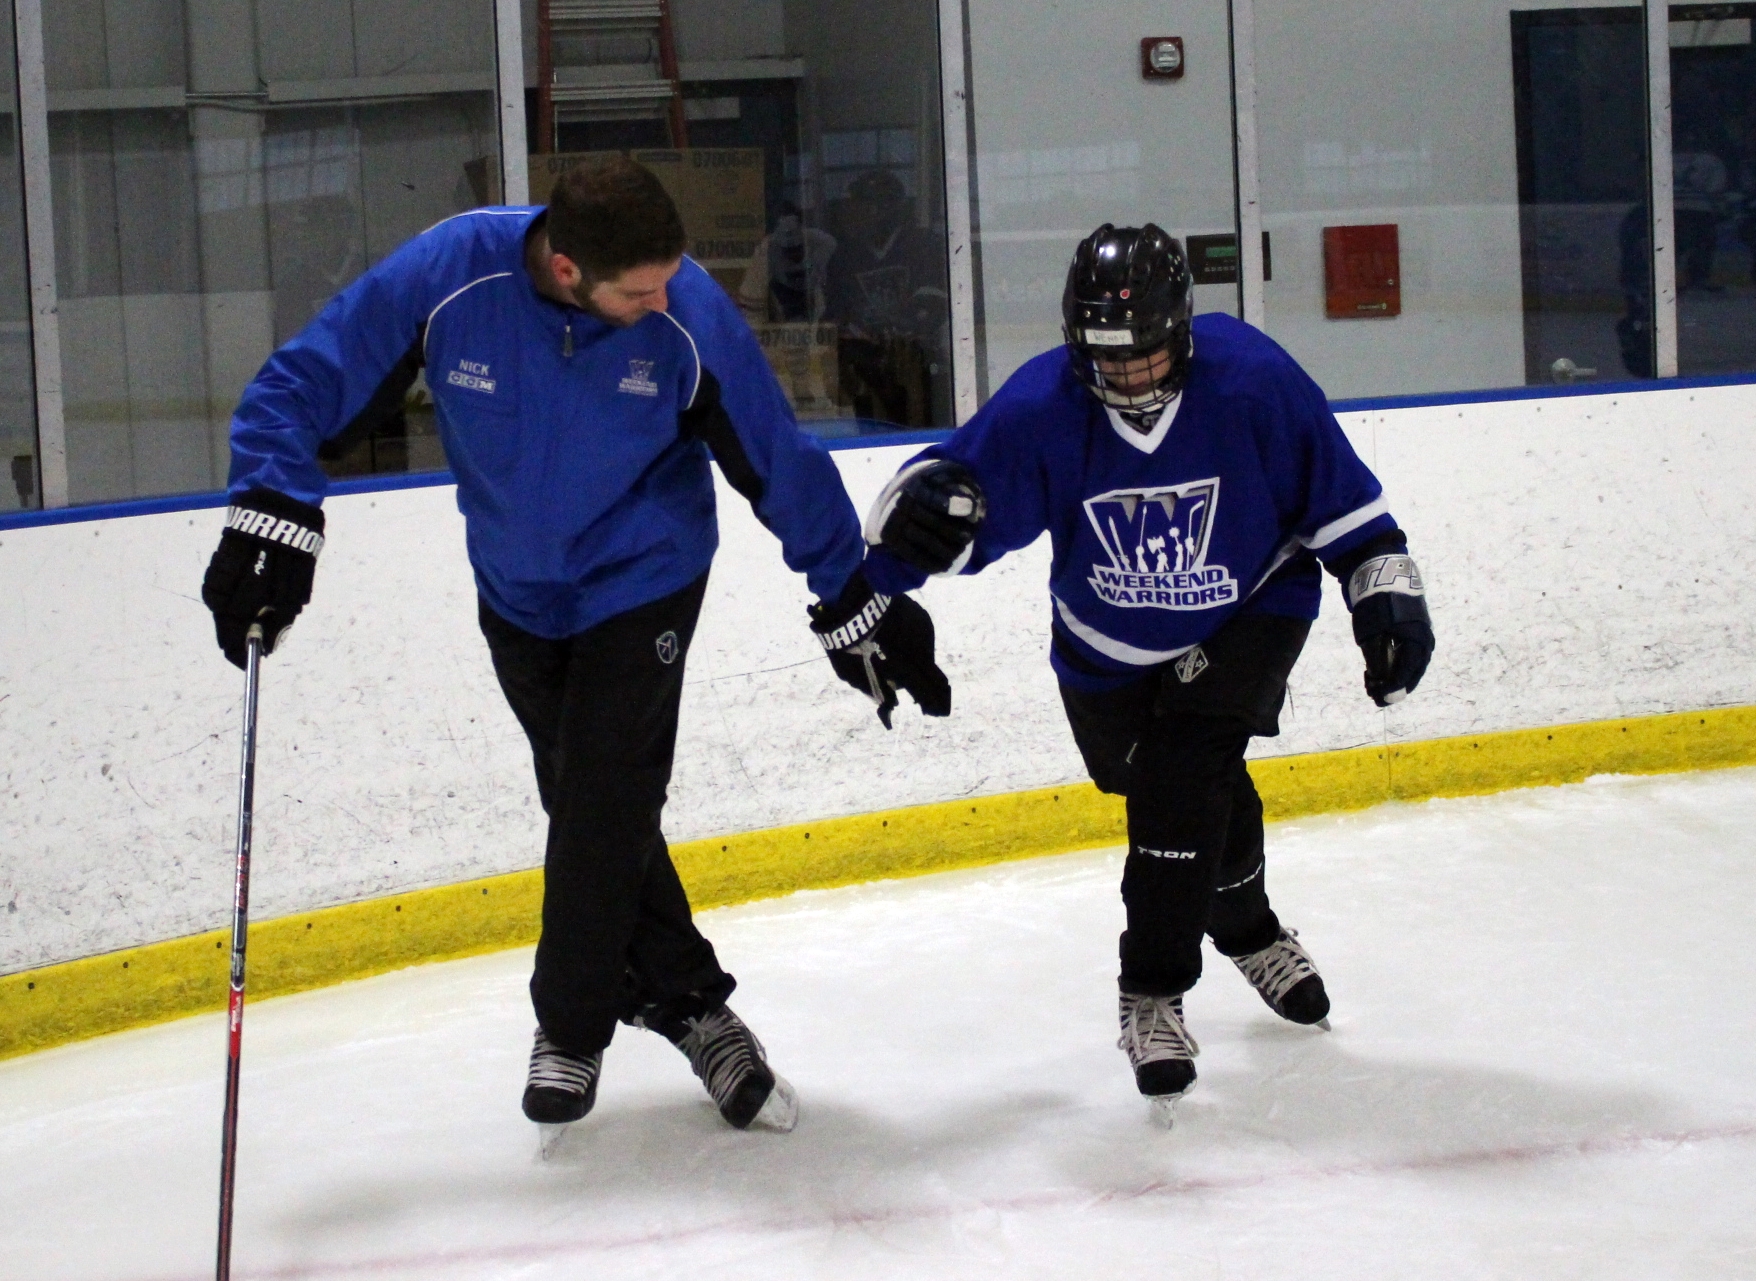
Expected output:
(582, 299)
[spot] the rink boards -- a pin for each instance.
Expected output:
(1588, 559)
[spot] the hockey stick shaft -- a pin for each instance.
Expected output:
(240, 937)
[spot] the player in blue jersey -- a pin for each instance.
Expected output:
(582, 371)
(1191, 479)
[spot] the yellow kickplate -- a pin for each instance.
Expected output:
(160, 981)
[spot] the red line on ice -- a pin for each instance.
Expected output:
(1438, 1161)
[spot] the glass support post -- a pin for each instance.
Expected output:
(1659, 175)
(33, 116)
(509, 58)
(1247, 184)
(959, 222)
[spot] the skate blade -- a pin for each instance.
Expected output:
(780, 1110)
(1164, 1109)
(548, 1139)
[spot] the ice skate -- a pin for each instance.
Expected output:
(560, 1089)
(731, 1063)
(1160, 1050)
(1287, 980)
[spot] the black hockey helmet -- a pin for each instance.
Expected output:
(1129, 296)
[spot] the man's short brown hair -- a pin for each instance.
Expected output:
(611, 215)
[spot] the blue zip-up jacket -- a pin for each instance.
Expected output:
(580, 497)
(1160, 538)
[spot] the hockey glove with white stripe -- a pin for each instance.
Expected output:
(1391, 624)
(927, 515)
(263, 569)
(880, 644)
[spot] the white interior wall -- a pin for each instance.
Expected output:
(1068, 135)
(1381, 111)
(1396, 111)
(388, 759)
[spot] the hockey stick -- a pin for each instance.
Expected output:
(240, 935)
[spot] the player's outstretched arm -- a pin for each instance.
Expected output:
(352, 356)
(881, 644)
(1391, 624)
(928, 514)
(263, 569)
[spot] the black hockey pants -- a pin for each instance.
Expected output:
(600, 710)
(1174, 748)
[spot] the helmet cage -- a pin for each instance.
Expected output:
(1112, 387)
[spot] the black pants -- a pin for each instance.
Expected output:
(600, 710)
(1174, 748)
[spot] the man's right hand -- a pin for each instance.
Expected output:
(263, 568)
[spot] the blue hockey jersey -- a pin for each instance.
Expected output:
(581, 501)
(1159, 538)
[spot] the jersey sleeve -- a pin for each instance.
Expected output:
(791, 482)
(1004, 454)
(1330, 498)
(314, 385)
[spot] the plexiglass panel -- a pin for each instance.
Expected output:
(1585, 216)
(220, 169)
(805, 157)
(1070, 134)
(1453, 193)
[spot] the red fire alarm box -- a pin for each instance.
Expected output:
(1362, 272)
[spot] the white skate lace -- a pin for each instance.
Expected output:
(1278, 968)
(722, 1051)
(552, 1068)
(1152, 1030)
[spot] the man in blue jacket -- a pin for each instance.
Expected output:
(582, 370)
(1191, 479)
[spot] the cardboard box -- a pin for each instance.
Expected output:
(803, 357)
(718, 190)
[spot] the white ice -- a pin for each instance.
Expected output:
(1541, 1067)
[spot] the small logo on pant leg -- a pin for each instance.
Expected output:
(668, 648)
(1190, 665)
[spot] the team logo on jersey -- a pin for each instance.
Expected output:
(639, 380)
(1156, 540)
(668, 648)
(472, 374)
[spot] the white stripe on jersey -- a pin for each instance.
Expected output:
(1323, 537)
(1347, 524)
(1110, 647)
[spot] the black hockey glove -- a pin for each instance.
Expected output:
(263, 569)
(880, 644)
(927, 515)
(1391, 624)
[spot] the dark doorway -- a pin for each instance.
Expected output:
(1580, 112)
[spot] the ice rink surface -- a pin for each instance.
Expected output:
(1543, 1065)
